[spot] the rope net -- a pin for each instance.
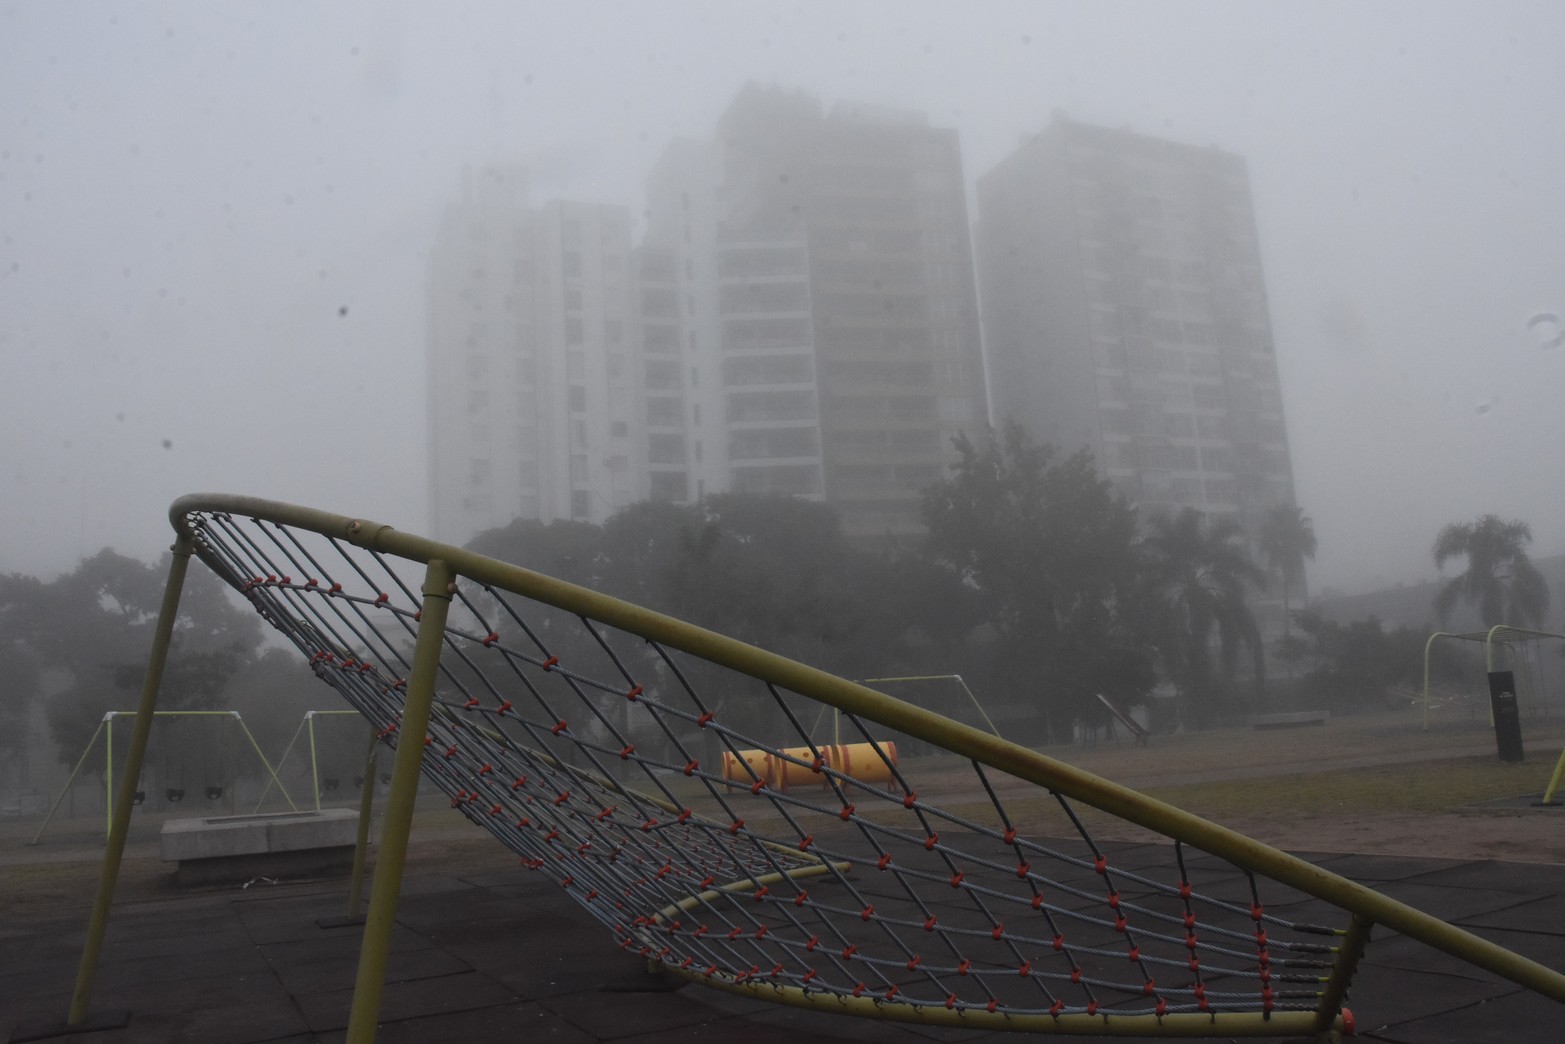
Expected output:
(695, 813)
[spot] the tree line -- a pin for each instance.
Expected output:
(1037, 582)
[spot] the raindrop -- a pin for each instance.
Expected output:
(1483, 407)
(168, 443)
(342, 310)
(1548, 329)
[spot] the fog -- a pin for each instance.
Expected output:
(215, 222)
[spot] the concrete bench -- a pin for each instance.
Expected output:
(1290, 720)
(224, 849)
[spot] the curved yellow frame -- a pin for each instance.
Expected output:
(445, 563)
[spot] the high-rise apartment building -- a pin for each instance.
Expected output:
(830, 318)
(1124, 311)
(535, 378)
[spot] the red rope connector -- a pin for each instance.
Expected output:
(1059, 942)
(805, 842)
(736, 826)
(382, 600)
(705, 719)
(999, 930)
(1037, 901)
(627, 751)
(883, 862)
(866, 913)
(1257, 911)
(521, 781)
(809, 947)
(801, 898)
(505, 705)
(956, 879)
(1092, 1007)
(1101, 865)
(551, 663)
(559, 727)
(962, 969)
(913, 962)
(648, 825)
(852, 948)
(930, 842)
(336, 588)
(950, 1000)
(691, 766)
(1134, 954)
(1022, 870)
(758, 786)
(451, 752)
(633, 693)
(929, 923)
(1057, 1007)
(565, 795)
(470, 704)
(910, 799)
(808, 976)
(486, 769)
(760, 893)
(684, 816)
(846, 813)
(1075, 975)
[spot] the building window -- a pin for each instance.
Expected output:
(573, 330)
(570, 265)
(580, 503)
(578, 398)
(619, 429)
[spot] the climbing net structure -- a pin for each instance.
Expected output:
(668, 781)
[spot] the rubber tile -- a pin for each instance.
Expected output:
(416, 999)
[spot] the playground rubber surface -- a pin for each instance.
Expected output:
(484, 950)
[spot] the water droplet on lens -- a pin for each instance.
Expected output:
(1548, 329)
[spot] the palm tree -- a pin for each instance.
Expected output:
(1287, 539)
(1199, 573)
(1500, 580)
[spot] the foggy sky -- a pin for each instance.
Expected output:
(191, 194)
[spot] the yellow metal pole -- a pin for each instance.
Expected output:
(108, 780)
(120, 826)
(1554, 780)
(315, 769)
(362, 844)
(439, 583)
(69, 780)
(1349, 952)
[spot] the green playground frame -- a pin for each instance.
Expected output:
(444, 564)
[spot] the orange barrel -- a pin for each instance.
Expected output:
(861, 761)
(735, 773)
(786, 774)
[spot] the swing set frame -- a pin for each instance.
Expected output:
(106, 729)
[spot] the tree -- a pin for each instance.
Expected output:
(95, 625)
(1048, 546)
(1359, 664)
(1287, 539)
(1197, 575)
(1500, 580)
